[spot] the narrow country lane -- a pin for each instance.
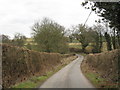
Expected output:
(69, 77)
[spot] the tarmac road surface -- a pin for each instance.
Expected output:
(69, 77)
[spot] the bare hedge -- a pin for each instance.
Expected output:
(107, 64)
(19, 64)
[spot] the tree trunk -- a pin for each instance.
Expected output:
(114, 39)
(108, 40)
(100, 43)
(118, 38)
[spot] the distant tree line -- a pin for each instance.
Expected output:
(94, 36)
(49, 36)
(88, 35)
(18, 40)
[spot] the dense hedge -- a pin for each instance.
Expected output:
(106, 64)
(75, 50)
(19, 64)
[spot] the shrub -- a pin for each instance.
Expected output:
(89, 49)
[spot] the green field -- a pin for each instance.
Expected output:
(71, 45)
(78, 46)
(75, 45)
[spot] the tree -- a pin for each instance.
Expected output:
(114, 39)
(82, 36)
(29, 46)
(71, 38)
(98, 37)
(89, 36)
(5, 39)
(19, 40)
(110, 11)
(108, 39)
(49, 36)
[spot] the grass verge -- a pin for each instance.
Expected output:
(36, 81)
(95, 78)
(98, 81)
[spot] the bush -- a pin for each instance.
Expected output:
(89, 49)
(76, 50)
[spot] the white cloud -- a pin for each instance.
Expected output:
(20, 15)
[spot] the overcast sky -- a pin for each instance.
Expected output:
(20, 15)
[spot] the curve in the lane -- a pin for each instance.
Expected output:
(69, 77)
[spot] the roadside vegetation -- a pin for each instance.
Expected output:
(102, 69)
(36, 81)
(49, 37)
(20, 64)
